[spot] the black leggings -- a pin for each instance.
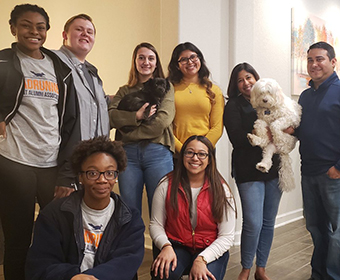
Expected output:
(20, 185)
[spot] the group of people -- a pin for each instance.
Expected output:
(319, 135)
(54, 149)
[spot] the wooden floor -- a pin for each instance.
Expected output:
(289, 258)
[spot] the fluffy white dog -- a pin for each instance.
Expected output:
(277, 112)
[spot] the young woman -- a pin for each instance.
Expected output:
(147, 163)
(193, 217)
(90, 234)
(199, 103)
(259, 192)
(33, 83)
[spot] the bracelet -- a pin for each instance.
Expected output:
(166, 245)
(202, 258)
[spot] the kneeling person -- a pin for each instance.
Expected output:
(91, 234)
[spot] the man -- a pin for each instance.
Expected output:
(91, 234)
(319, 135)
(78, 40)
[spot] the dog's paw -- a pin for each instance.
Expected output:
(252, 139)
(263, 167)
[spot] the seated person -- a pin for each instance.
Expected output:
(91, 234)
(193, 217)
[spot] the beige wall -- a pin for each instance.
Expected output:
(121, 25)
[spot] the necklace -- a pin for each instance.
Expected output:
(187, 85)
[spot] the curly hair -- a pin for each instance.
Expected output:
(179, 177)
(233, 90)
(19, 10)
(101, 144)
(175, 74)
(133, 75)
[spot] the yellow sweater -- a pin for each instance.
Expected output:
(195, 115)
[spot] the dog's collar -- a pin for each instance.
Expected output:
(267, 112)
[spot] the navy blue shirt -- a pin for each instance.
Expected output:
(319, 131)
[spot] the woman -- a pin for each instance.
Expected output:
(149, 145)
(259, 192)
(193, 217)
(94, 218)
(199, 103)
(33, 121)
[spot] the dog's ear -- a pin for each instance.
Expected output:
(280, 96)
(149, 84)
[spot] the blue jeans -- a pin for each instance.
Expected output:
(185, 259)
(321, 199)
(146, 165)
(260, 202)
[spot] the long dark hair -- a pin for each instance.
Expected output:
(133, 75)
(180, 177)
(175, 74)
(233, 87)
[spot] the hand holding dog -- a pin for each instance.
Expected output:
(140, 112)
(3, 129)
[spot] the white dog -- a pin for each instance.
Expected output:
(277, 112)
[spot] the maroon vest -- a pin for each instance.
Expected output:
(178, 227)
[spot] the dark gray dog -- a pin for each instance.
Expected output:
(153, 92)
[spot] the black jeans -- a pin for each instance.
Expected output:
(20, 185)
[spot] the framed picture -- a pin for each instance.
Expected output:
(306, 30)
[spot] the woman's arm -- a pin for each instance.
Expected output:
(3, 134)
(166, 259)
(158, 216)
(164, 117)
(232, 119)
(46, 259)
(216, 116)
(226, 232)
(121, 118)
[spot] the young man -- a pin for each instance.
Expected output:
(78, 40)
(91, 234)
(319, 135)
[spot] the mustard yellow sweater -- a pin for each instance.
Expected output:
(195, 115)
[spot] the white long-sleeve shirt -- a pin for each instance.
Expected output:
(226, 229)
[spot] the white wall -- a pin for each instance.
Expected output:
(259, 32)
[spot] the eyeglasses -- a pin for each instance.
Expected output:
(95, 174)
(191, 154)
(185, 60)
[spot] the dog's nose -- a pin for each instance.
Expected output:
(265, 100)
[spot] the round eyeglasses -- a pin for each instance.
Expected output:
(95, 174)
(185, 60)
(191, 154)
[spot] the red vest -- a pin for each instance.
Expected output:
(179, 227)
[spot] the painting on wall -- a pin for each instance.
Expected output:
(306, 30)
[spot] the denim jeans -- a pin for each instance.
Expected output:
(20, 185)
(146, 165)
(260, 202)
(185, 259)
(321, 198)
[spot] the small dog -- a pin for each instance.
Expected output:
(277, 112)
(153, 92)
